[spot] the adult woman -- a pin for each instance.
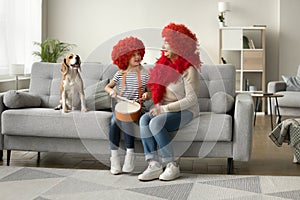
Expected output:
(174, 86)
(131, 82)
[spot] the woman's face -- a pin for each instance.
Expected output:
(135, 59)
(168, 51)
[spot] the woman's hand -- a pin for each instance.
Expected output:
(156, 110)
(146, 96)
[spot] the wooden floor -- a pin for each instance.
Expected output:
(267, 159)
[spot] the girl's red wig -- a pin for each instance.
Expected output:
(182, 42)
(124, 49)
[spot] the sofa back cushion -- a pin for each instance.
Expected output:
(46, 79)
(214, 79)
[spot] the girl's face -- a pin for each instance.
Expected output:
(168, 51)
(135, 59)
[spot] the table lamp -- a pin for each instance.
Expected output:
(222, 8)
(16, 70)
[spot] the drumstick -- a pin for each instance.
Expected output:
(125, 99)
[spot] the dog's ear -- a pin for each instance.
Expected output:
(79, 61)
(64, 67)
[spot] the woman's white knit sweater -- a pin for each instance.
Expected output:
(183, 94)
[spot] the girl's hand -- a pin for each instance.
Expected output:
(113, 93)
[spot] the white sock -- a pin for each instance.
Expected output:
(114, 153)
(154, 162)
(129, 150)
(174, 163)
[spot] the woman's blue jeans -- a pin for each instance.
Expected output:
(155, 133)
(116, 127)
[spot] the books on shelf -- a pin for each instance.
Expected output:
(251, 44)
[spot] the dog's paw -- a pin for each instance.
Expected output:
(84, 110)
(58, 107)
(65, 110)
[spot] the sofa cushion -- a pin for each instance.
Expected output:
(47, 122)
(214, 79)
(203, 128)
(290, 99)
(96, 97)
(17, 99)
(292, 83)
(221, 102)
(45, 79)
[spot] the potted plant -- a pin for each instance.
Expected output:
(52, 49)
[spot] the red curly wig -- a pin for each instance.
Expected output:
(124, 49)
(182, 42)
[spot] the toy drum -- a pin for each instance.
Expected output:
(128, 111)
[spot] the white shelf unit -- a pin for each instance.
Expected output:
(249, 62)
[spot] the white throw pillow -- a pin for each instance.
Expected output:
(17, 99)
(221, 102)
(96, 97)
(292, 83)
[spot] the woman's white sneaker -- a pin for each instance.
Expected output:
(171, 172)
(129, 163)
(152, 172)
(115, 166)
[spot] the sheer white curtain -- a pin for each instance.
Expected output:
(20, 26)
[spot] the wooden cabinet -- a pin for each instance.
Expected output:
(244, 47)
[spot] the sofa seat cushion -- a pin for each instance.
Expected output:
(290, 99)
(46, 122)
(209, 127)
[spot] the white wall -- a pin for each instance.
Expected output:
(289, 37)
(91, 23)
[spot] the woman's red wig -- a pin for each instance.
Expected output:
(182, 42)
(124, 49)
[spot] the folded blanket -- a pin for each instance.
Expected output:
(288, 131)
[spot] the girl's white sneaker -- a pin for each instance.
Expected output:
(115, 166)
(129, 163)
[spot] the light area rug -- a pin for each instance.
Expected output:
(22, 183)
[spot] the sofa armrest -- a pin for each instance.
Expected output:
(243, 127)
(2, 108)
(276, 86)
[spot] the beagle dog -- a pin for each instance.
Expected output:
(71, 88)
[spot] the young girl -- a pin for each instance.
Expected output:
(127, 54)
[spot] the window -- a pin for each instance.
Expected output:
(20, 26)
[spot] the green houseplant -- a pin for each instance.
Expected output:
(52, 49)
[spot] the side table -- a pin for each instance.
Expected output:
(268, 96)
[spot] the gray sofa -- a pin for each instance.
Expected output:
(289, 104)
(223, 129)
